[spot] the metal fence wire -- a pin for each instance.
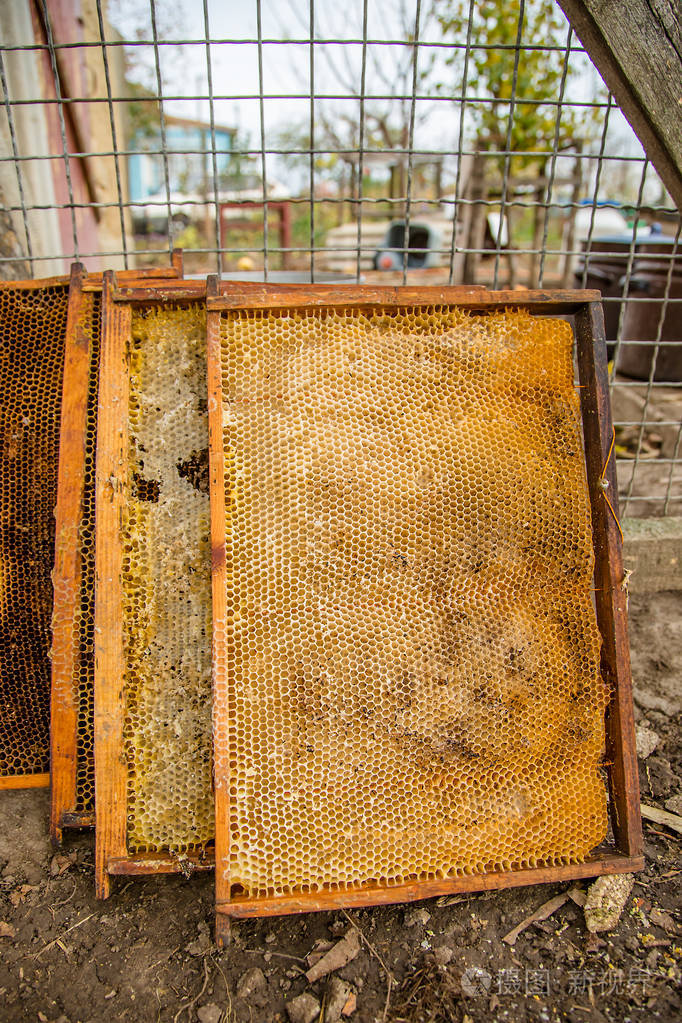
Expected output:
(420, 141)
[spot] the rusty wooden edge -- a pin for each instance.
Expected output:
(111, 483)
(141, 273)
(609, 578)
(66, 576)
(36, 283)
(160, 291)
(133, 292)
(292, 297)
(145, 864)
(95, 279)
(310, 902)
(160, 863)
(222, 929)
(177, 290)
(24, 781)
(220, 642)
(145, 278)
(232, 295)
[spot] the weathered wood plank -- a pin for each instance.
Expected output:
(161, 291)
(66, 576)
(610, 591)
(658, 816)
(267, 296)
(637, 49)
(220, 640)
(111, 485)
(34, 284)
(310, 902)
(178, 262)
(93, 281)
(24, 781)
(144, 864)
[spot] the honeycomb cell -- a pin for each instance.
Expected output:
(413, 681)
(167, 584)
(32, 339)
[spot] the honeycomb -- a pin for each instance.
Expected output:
(32, 333)
(167, 584)
(413, 687)
(84, 661)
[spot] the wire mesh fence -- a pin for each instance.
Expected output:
(420, 141)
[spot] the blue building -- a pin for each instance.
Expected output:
(188, 168)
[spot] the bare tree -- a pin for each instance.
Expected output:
(384, 79)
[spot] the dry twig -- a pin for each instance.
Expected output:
(59, 938)
(542, 913)
(390, 979)
(671, 820)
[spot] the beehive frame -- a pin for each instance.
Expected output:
(113, 488)
(63, 285)
(610, 598)
(72, 768)
(26, 674)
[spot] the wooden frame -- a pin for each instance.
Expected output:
(112, 856)
(111, 477)
(38, 779)
(66, 577)
(24, 781)
(585, 309)
(68, 515)
(609, 578)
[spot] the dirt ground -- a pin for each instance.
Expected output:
(147, 953)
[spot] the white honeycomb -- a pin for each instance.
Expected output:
(167, 585)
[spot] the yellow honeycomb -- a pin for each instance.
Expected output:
(32, 335)
(167, 584)
(413, 685)
(84, 661)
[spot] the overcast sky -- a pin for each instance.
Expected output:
(235, 68)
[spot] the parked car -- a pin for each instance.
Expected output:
(423, 240)
(429, 243)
